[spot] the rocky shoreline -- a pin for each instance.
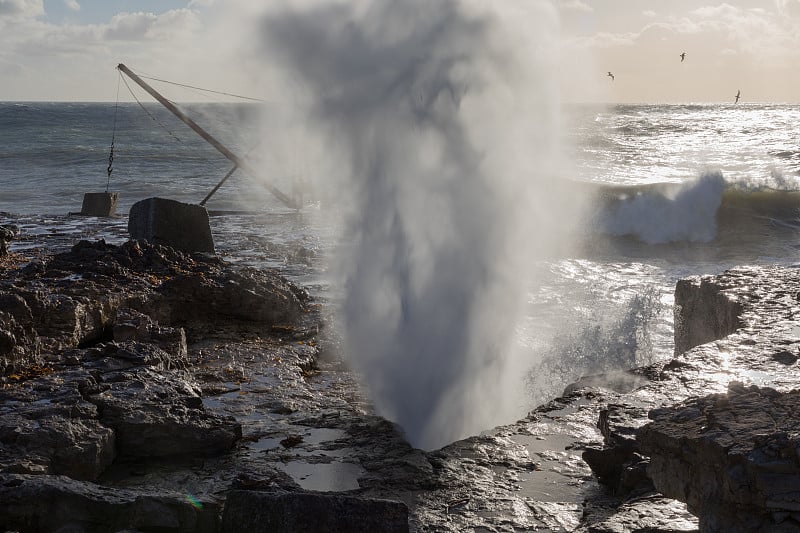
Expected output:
(146, 389)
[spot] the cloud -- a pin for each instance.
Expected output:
(129, 26)
(76, 61)
(575, 5)
(765, 36)
(603, 40)
(789, 8)
(73, 5)
(147, 26)
(21, 8)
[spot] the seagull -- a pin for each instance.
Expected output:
(683, 56)
(738, 94)
(610, 76)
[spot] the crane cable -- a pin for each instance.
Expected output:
(110, 168)
(148, 112)
(201, 89)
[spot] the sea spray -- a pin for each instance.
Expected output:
(438, 123)
(605, 341)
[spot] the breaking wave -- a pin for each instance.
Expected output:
(695, 212)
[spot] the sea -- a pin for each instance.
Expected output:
(677, 191)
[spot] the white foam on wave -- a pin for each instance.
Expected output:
(656, 217)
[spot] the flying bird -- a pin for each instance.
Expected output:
(610, 76)
(683, 56)
(738, 94)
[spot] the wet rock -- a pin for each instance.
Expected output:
(618, 464)
(137, 291)
(7, 234)
(732, 457)
(703, 312)
(712, 408)
(19, 343)
(47, 426)
(785, 357)
(131, 325)
(303, 511)
(651, 513)
(107, 402)
(160, 414)
(247, 295)
(57, 503)
(530, 475)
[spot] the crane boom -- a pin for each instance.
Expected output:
(239, 162)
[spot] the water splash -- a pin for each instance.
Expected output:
(603, 343)
(438, 122)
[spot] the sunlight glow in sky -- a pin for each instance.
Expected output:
(66, 50)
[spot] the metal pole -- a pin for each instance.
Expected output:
(288, 202)
(223, 180)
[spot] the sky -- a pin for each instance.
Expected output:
(67, 50)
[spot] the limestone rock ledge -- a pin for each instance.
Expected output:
(77, 298)
(733, 457)
(717, 427)
(86, 507)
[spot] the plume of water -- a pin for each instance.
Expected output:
(438, 122)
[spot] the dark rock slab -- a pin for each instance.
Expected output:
(169, 222)
(19, 343)
(649, 513)
(45, 504)
(160, 414)
(733, 457)
(136, 291)
(703, 312)
(247, 295)
(618, 464)
(304, 512)
(129, 400)
(131, 325)
(48, 427)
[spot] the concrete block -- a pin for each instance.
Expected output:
(99, 204)
(162, 221)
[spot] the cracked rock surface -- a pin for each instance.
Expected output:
(139, 394)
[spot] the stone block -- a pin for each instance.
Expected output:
(171, 223)
(262, 512)
(99, 204)
(57, 503)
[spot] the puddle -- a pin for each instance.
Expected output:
(560, 476)
(341, 453)
(543, 443)
(330, 477)
(312, 437)
(320, 435)
(218, 401)
(548, 486)
(266, 443)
